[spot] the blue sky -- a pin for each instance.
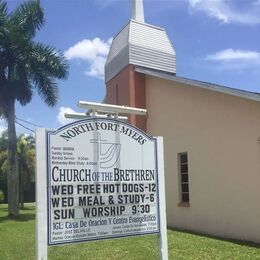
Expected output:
(215, 40)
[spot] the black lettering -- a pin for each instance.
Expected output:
(71, 133)
(89, 127)
(66, 189)
(124, 130)
(103, 126)
(55, 202)
(56, 214)
(53, 173)
(82, 201)
(65, 136)
(67, 202)
(64, 214)
(75, 128)
(55, 190)
(110, 126)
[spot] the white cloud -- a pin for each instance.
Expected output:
(97, 67)
(228, 11)
(60, 117)
(94, 52)
(235, 59)
(88, 49)
(232, 55)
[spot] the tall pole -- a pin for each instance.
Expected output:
(41, 196)
(138, 10)
(162, 237)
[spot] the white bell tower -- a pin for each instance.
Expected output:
(140, 44)
(138, 10)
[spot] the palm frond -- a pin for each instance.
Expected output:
(31, 64)
(3, 10)
(3, 19)
(27, 18)
(23, 92)
(47, 89)
(23, 86)
(49, 60)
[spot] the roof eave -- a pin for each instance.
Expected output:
(196, 83)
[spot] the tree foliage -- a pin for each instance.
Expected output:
(26, 163)
(3, 163)
(25, 66)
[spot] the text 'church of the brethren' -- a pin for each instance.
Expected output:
(211, 133)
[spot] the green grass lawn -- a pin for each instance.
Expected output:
(17, 241)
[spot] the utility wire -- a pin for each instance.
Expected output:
(27, 122)
(24, 126)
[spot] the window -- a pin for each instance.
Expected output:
(184, 178)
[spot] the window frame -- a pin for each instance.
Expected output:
(183, 203)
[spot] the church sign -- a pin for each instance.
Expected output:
(102, 182)
(97, 179)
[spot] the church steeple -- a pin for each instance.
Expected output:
(140, 44)
(137, 45)
(138, 10)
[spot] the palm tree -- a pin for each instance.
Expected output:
(25, 65)
(26, 163)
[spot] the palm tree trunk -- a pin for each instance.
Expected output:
(13, 175)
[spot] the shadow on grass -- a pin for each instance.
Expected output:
(27, 208)
(20, 218)
(235, 241)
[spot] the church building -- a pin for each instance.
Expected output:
(211, 133)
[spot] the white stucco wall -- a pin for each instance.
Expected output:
(220, 134)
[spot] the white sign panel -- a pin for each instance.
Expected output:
(102, 180)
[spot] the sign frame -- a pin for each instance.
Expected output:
(48, 137)
(42, 219)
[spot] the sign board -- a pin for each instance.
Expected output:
(98, 179)
(102, 182)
